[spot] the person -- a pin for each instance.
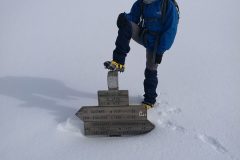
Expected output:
(153, 24)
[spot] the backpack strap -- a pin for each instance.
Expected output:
(141, 23)
(176, 5)
(163, 9)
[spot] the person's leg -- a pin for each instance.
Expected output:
(151, 79)
(127, 30)
(122, 40)
(135, 33)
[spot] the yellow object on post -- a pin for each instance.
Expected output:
(118, 66)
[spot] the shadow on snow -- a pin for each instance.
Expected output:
(43, 93)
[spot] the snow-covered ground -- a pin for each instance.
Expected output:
(51, 55)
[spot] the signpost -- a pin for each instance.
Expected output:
(114, 116)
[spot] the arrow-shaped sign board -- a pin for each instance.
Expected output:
(118, 128)
(120, 113)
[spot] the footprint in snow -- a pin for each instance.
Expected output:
(214, 143)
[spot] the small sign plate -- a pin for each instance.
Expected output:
(113, 98)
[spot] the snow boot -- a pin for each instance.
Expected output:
(114, 66)
(147, 105)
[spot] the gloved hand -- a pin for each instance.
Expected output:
(158, 58)
(122, 20)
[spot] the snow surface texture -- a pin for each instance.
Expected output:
(51, 55)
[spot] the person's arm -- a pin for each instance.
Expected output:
(169, 29)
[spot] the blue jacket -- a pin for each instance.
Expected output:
(168, 29)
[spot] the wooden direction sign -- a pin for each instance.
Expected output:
(120, 113)
(114, 116)
(115, 121)
(118, 128)
(113, 98)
